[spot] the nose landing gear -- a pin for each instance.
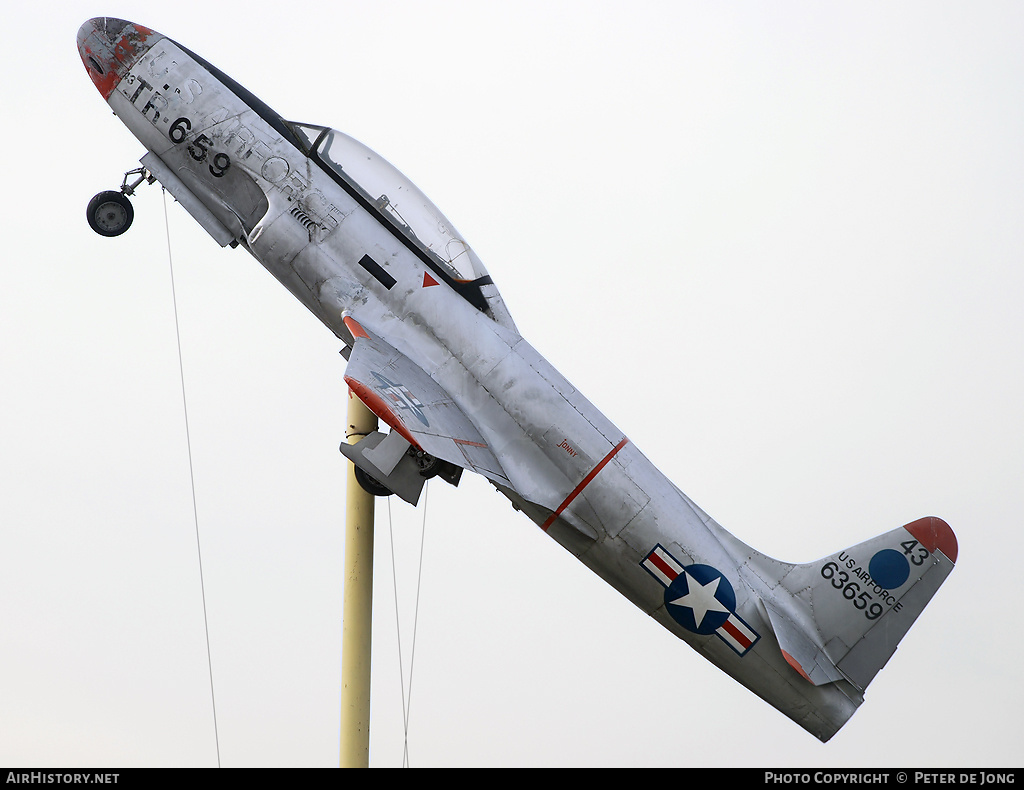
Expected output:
(110, 213)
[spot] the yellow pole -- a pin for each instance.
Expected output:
(358, 604)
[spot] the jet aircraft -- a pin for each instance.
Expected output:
(433, 351)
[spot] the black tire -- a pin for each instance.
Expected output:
(371, 485)
(428, 465)
(110, 213)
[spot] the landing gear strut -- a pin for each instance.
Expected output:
(110, 213)
(416, 464)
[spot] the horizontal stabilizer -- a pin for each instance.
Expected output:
(801, 653)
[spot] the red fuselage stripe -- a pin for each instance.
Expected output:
(583, 484)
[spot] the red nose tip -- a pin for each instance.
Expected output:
(109, 48)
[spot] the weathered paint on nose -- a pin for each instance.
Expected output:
(110, 47)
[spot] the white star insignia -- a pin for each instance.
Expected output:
(700, 598)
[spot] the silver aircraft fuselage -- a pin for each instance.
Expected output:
(434, 352)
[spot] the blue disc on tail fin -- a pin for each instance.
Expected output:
(889, 569)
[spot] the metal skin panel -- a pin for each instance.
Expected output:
(805, 638)
(417, 408)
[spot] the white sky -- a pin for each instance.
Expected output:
(779, 244)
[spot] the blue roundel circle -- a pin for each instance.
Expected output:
(700, 599)
(889, 569)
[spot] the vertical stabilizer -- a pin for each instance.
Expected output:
(849, 610)
(904, 569)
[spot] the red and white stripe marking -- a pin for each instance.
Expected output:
(666, 569)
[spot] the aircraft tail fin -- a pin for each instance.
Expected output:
(864, 600)
(847, 612)
(837, 621)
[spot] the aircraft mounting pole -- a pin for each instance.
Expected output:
(358, 603)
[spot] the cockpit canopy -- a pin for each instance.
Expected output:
(394, 197)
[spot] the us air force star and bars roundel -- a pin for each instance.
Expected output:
(400, 397)
(700, 599)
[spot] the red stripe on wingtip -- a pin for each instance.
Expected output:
(934, 534)
(355, 327)
(378, 406)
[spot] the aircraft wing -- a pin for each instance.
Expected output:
(404, 396)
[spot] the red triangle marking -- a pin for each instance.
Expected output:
(428, 280)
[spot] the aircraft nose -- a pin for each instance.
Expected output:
(109, 48)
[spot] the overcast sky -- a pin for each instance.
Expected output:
(778, 244)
